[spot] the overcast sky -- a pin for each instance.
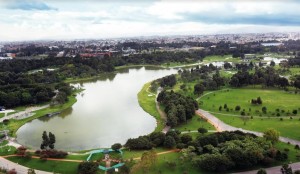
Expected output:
(85, 19)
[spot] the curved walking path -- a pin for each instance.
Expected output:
(221, 126)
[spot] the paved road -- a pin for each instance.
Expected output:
(221, 126)
(24, 114)
(4, 163)
(274, 170)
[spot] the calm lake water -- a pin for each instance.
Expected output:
(106, 112)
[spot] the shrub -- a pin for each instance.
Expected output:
(237, 108)
(295, 112)
(261, 171)
(297, 147)
(264, 109)
(50, 153)
(116, 146)
(202, 130)
(87, 168)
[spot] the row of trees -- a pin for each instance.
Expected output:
(158, 139)
(178, 108)
(267, 77)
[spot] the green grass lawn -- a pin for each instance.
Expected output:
(7, 150)
(148, 104)
(2, 115)
(287, 127)
(50, 166)
(272, 99)
(4, 142)
(218, 58)
(195, 123)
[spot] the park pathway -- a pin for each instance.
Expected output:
(6, 164)
(221, 126)
(273, 170)
(24, 114)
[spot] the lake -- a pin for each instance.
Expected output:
(106, 112)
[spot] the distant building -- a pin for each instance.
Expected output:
(273, 44)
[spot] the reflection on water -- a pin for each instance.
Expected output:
(107, 112)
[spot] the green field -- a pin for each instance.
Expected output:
(218, 58)
(195, 123)
(50, 166)
(287, 127)
(273, 100)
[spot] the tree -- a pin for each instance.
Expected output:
(148, 159)
(202, 130)
(271, 135)
(261, 171)
(286, 169)
(51, 140)
(237, 108)
(31, 171)
(185, 138)
(45, 142)
(198, 89)
(272, 63)
(87, 168)
(116, 146)
(264, 109)
(170, 142)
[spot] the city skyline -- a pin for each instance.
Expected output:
(59, 20)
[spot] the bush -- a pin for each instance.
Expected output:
(237, 108)
(295, 112)
(213, 162)
(170, 142)
(261, 171)
(202, 130)
(185, 138)
(116, 146)
(87, 168)
(52, 154)
(297, 147)
(264, 109)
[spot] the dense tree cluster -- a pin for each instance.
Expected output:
(158, 139)
(167, 81)
(25, 88)
(267, 77)
(224, 151)
(178, 108)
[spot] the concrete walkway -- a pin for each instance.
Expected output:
(221, 126)
(274, 170)
(6, 164)
(24, 114)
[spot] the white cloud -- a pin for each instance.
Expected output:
(94, 19)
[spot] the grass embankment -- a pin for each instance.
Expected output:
(147, 102)
(14, 124)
